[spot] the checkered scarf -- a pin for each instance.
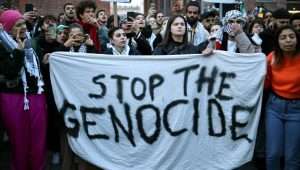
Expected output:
(32, 65)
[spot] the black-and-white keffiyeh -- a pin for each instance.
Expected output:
(32, 65)
(82, 49)
(124, 52)
(233, 14)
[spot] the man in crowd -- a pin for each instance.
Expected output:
(85, 12)
(69, 14)
(196, 31)
(208, 20)
(102, 30)
(281, 18)
(295, 21)
(159, 16)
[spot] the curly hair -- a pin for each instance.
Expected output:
(82, 6)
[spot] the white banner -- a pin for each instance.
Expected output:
(181, 112)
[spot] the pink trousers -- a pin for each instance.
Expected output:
(26, 130)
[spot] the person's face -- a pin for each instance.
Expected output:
(287, 40)
(257, 28)
(268, 16)
(47, 23)
(87, 13)
(70, 11)
(282, 22)
(62, 36)
(119, 38)
(178, 27)
(208, 22)
(126, 26)
(192, 13)
(296, 24)
(160, 18)
(139, 21)
(151, 11)
(19, 28)
(76, 33)
(214, 29)
(153, 23)
(102, 17)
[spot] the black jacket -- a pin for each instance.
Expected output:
(140, 43)
(268, 40)
(11, 64)
(174, 48)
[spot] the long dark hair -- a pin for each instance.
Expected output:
(278, 52)
(168, 36)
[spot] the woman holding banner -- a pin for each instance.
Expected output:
(283, 106)
(119, 43)
(23, 105)
(176, 40)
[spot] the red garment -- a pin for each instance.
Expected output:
(92, 31)
(284, 79)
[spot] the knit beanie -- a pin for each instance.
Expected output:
(8, 19)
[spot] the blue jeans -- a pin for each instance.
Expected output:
(282, 133)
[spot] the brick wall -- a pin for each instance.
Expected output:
(55, 7)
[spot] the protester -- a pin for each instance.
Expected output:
(232, 37)
(196, 31)
(141, 29)
(23, 105)
(214, 29)
(102, 30)
(159, 16)
(281, 17)
(78, 41)
(268, 17)
(283, 111)
(119, 43)
(45, 23)
(255, 29)
(176, 40)
(295, 21)
(62, 33)
(44, 45)
(208, 20)
(138, 32)
(70, 14)
(61, 18)
(32, 20)
(151, 11)
(85, 12)
(155, 30)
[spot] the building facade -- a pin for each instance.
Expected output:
(166, 5)
(55, 6)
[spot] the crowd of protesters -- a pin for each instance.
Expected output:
(27, 109)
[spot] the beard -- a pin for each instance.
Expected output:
(192, 21)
